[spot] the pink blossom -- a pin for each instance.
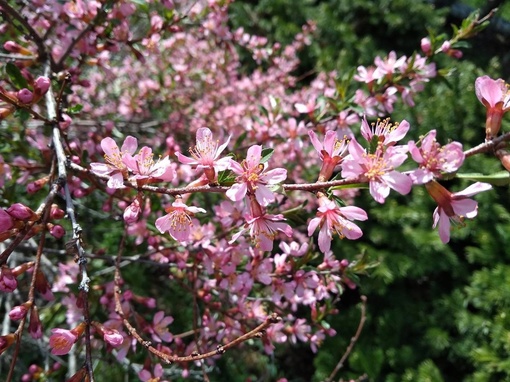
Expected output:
(434, 159)
(178, 220)
(206, 153)
(388, 66)
(253, 177)
(110, 336)
(378, 169)
(453, 207)
(334, 219)
(331, 152)
(384, 130)
(263, 230)
(426, 45)
(114, 166)
(159, 330)
(365, 74)
(495, 96)
(143, 166)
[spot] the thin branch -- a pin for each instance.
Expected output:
(487, 146)
(168, 359)
(354, 339)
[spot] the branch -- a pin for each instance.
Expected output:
(354, 339)
(487, 146)
(168, 359)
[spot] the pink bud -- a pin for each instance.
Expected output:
(132, 212)
(20, 311)
(22, 212)
(6, 222)
(426, 45)
(66, 122)
(56, 212)
(8, 282)
(13, 47)
(25, 96)
(57, 231)
(446, 46)
(41, 86)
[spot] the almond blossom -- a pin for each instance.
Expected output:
(453, 207)
(334, 219)
(143, 166)
(384, 130)
(378, 169)
(253, 177)
(434, 159)
(206, 154)
(495, 96)
(331, 152)
(263, 230)
(115, 166)
(178, 221)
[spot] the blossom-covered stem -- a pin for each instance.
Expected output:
(221, 189)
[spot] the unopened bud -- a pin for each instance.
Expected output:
(33, 187)
(13, 47)
(56, 212)
(426, 45)
(25, 96)
(35, 326)
(41, 86)
(57, 231)
(6, 341)
(21, 212)
(20, 311)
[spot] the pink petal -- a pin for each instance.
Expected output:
(274, 176)
(130, 144)
(109, 146)
(474, 189)
(312, 225)
(353, 213)
(253, 156)
(398, 181)
(264, 195)
(237, 191)
(325, 239)
(465, 207)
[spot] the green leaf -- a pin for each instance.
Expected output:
(226, 178)
(266, 155)
(501, 178)
(75, 109)
(15, 76)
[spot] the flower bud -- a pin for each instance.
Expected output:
(66, 122)
(6, 222)
(35, 186)
(21, 212)
(8, 282)
(426, 45)
(132, 212)
(25, 96)
(13, 47)
(57, 231)
(6, 341)
(56, 212)
(41, 86)
(43, 287)
(20, 311)
(35, 326)
(110, 336)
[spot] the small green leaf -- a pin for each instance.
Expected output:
(501, 178)
(15, 76)
(266, 155)
(226, 178)
(75, 109)
(239, 141)
(374, 142)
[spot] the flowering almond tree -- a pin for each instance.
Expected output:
(222, 230)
